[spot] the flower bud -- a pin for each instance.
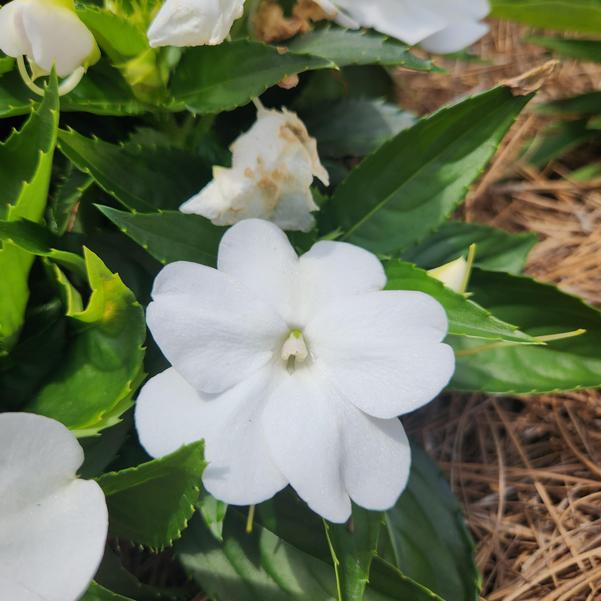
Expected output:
(49, 33)
(273, 166)
(194, 22)
(456, 274)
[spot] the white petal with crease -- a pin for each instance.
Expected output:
(170, 413)
(51, 524)
(212, 329)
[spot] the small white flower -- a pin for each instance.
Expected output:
(440, 26)
(293, 370)
(273, 166)
(53, 526)
(48, 33)
(194, 22)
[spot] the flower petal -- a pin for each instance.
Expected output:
(50, 523)
(331, 270)
(194, 22)
(13, 41)
(57, 37)
(382, 350)
(455, 37)
(303, 434)
(258, 255)
(170, 413)
(376, 458)
(210, 328)
(407, 20)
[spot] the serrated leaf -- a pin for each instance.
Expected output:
(540, 310)
(26, 159)
(99, 593)
(429, 537)
(141, 178)
(345, 47)
(104, 358)
(102, 91)
(151, 504)
(355, 126)
(412, 184)
(466, 318)
(36, 240)
(571, 15)
(212, 79)
(170, 235)
(497, 250)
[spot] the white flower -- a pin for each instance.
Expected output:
(441, 26)
(47, 32)
(293, 370)
(53, 526)
(273, 166)
(194, 22)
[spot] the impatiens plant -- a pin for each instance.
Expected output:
(237, 177)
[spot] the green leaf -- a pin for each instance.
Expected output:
(99, 593)
(345, 47)
(117, 36)
(558, 140)
(570, 15)
(26, 159)
(497, 250)
(102, 91)
(355, 547)
(265, 566)
(583, 104)
(67, 195)
(37, 240)
(104, 359)
(151, 504)
(213, 513)
(429, 537)
(585, 50)
(141, 178)
(466, 318)
(355, 127)
(540, 310)
(212, 79)
(170, 235)
(7, 63)
(413, 183)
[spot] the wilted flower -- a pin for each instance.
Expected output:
(273, 166)
(53, 526)
(194, 22)
(440, 26)
(293, 370)
(49, 33)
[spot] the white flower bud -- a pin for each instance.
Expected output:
(49, 33)
(273, 166)
(440, 26)
(456, 274)
(194, 22)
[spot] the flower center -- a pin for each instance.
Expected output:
(295, 349)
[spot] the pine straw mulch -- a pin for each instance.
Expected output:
(528, 471)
